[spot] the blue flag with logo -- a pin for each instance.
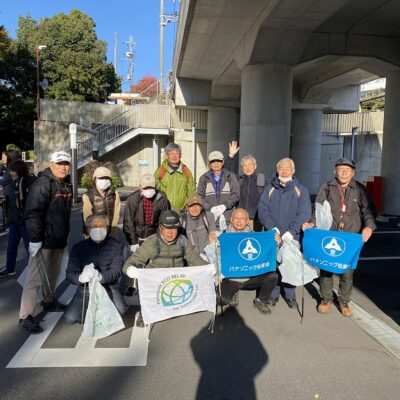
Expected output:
(332, 251)
(247, 254)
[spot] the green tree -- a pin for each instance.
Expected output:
(5, 42)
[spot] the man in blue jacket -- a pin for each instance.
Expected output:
(285, 204)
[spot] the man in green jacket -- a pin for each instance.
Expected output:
(174, 178)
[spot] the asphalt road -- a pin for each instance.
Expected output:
(249, 355)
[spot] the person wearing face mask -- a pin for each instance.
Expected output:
(142, 211)
(102, 199)
(98, 257)
(285, 204)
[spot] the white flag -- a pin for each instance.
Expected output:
(169, 292)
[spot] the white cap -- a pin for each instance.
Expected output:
(60, 156)
(216, 155)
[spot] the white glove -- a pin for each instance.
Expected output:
(218, 210)
(87, 275)
(132, 272)
(287, 236)
(89, 267)
(34, 248)
(134, 247)
(97, 275)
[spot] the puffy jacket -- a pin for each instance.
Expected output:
(175, 184)
(229, 193)
(285, 207)
(16, 199)
(106, 257)
(359, 206)
(156, 253)
(134, 226)
(48, 210)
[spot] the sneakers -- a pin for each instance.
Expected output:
(53, 306)
(345, 309)
(261, 306)
(30, 325)
(292, 303)
(324, 307)
(139, 323)
(4, 272)
(272, 301)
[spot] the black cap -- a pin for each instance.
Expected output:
(345, 161)
(169, 219)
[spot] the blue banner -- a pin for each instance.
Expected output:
(332, 251)
(247, 254)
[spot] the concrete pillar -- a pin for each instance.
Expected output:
(306, 147)
(266, 101)
(390, 168)
(221, 128)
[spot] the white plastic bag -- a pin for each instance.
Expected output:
(323, 216)
(293, 268)
(102, 317)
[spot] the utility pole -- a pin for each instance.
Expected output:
(130, 55)
(115, 52)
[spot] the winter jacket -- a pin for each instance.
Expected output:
(156, 253)
(48, 210)
(285, 207)
(229, 195)
(134, 226)
(251, 187)
(359, 206)
(106, 256)
(16, 199)
(177, 185)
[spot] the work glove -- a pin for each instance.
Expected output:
(87, 275)
(134, 247)
(89, 267)
(287, 236)
(277, 230)
(34, 248)
(218, 210)
(97, 275)
(132, 272)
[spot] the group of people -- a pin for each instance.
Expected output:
(168, 222)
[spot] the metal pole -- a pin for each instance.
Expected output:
(115, 53)
(74, 160)
(155, 152)
(194, 164)
(353, 131)
(161, 46)
(37, 85)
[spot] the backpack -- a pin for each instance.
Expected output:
(185, 169)
(296, 189)
(184, 222)
(158, 249)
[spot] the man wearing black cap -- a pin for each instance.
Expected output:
(352, 211)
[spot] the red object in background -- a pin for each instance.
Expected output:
(375, 189)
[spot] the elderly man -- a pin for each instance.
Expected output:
(99, 257)
(263, 284)
(352, 211)
(197, 224)
(142, 211)
(285, 204)
(251, 183)
(219, 189)
(174, 178)
(167, 249)
(47, 213)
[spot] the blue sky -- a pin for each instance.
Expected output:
(139, 18)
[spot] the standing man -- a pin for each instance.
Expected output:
(174, 178)
(47, 215)
(352, 211)
(285, 204)
(219, 189)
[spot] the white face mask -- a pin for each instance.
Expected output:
(103, 184)
(98, 234)
(149, 193)
(284, 180)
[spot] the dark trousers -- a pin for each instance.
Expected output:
(345, 285)
(15, 234)
(73, 313)
(289, 290)
(264, 284)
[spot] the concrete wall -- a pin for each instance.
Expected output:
(331, 150)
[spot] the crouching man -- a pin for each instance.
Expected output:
(99, 257)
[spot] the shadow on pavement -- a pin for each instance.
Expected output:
(229, 358)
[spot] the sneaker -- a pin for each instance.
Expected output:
(345, 309)
(4, 272)
(261, 306)
(292, 303)
(324, 307)
(53, 306)
(30, 325)
(139, 323)
(272, 301)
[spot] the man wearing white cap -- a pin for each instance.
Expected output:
(47, 214)
(219, 189)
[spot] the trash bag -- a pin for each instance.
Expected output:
(102, 317)
(293, 268)
(323, 216)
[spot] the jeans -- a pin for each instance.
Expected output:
(345, 285)
(15, 234)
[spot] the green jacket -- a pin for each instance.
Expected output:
(176, 185)
(179, 253)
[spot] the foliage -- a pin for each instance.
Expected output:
(373, 105)
(14, 147)
(87, 176)
(5, 42)
(146, 86)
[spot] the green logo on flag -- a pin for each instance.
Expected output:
(176, 292)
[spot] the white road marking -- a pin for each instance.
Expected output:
(379, 258)
(385, 232)
(84, 354)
